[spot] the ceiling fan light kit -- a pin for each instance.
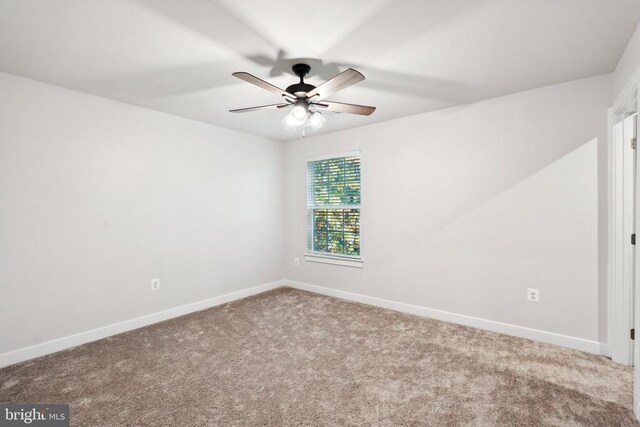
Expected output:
(291, 123)
(305, 99)
(316, 121)
(299, 111)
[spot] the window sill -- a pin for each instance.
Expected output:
(335, 260)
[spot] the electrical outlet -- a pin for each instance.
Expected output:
(533, 295)
(155, 284)
(296, 261)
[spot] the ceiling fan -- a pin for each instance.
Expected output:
(307, 100)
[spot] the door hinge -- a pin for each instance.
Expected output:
(633, 334)
(634, 143)
(633, 239)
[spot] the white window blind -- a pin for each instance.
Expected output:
(333, 206)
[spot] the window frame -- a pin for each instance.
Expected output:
(327, 257)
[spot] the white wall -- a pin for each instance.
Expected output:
(629, 65)
(99, 197)
(465, 208)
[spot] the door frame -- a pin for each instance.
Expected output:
(618, 339)
(636, 290)
(620, 260)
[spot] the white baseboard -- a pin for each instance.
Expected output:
(64, 343)
(461, 319)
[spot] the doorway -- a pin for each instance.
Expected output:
(622, 223)
(623, 258)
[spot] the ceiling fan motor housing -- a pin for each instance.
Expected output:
(300, 70)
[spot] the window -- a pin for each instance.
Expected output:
(333, 206)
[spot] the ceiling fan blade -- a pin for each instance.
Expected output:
(250, 78)
(343, 80)
(262, 107)
(339, 107)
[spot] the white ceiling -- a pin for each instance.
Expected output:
(417, 55)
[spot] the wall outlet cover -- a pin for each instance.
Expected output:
(155, 284)
(533, 295)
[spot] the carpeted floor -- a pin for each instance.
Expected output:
(289, 357)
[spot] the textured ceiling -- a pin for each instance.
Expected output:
(417, 55)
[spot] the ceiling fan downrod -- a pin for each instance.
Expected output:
(302, 88)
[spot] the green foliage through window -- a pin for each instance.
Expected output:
(333, 202)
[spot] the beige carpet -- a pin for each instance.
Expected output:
(289, 357)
